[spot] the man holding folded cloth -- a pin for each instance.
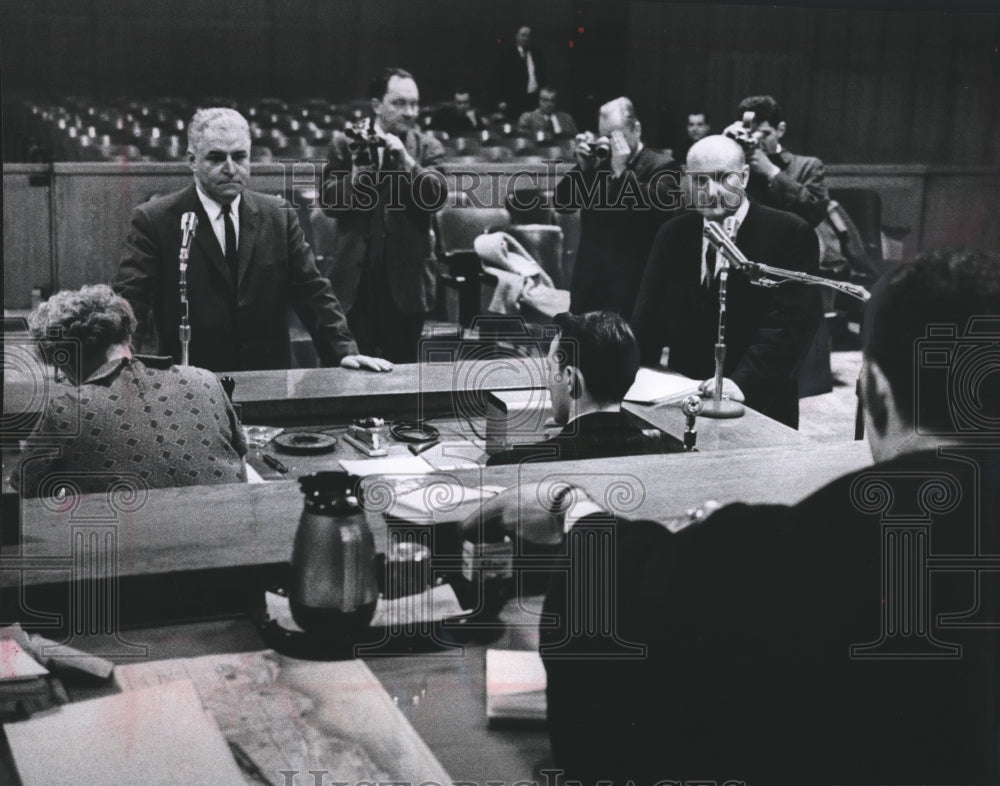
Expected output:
(768, 330)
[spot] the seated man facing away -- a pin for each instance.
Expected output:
(592, 363)
(132, 421)
(812, 644)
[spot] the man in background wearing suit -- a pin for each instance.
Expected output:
(248, 263)
(384, 200)
(460, 118)
(592, 363)
(622, 198)
(768, 329)
(520, 74)
(546, 119)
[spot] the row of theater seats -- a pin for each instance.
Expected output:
(77, 129)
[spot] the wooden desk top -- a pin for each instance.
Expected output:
(184, 530)
(333, 395)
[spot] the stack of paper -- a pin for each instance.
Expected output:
(158, 735)
(515, 685)
(657, 387)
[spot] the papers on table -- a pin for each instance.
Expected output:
(390, 465)
(433, 605)
(441, 502)
(515, 685)
(159, 735)
(657, 387)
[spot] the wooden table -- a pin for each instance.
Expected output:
(186, 531)
(199, 553)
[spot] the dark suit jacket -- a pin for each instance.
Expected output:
(456, 123)
(512, 79)
(535, 121)
(232, 328)
(619, 218)
(749, 620)
(768, 330)
(402, 214)
(800, 187)
(597, 435)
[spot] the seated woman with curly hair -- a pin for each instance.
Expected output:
(124, 419)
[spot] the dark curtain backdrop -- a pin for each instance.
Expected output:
(858, 86)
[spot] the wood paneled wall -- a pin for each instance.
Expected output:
(858, 86)
(64, 225)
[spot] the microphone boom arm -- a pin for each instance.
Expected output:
(769, 276)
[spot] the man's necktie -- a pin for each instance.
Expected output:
(232, 256)
(709, 266)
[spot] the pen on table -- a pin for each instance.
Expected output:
(248, 765)
(416, 450)
(273, 463)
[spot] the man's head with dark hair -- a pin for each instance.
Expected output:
(592, 361)
(395, 100)
(928, 322)
(698, 125)
(547, 100)
(380, 82)
(768, 123)
(765, 109)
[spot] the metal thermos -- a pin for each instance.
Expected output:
(334, 587)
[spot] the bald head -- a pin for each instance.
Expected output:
(718, 176)
(715, 153)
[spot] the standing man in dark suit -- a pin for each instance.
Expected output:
(812, 644)
(622, 189)
(384, 199)
(592, 363)
(520, 75)
(248, 263)
(768, 329)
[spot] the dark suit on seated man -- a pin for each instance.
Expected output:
(811, 644)
(768, 330)
(460, 118)
(248, 263)
(591, 364)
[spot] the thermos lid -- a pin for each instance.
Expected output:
(320, 485)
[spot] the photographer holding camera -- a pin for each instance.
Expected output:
(381, 186)
(778, 178)
(622, 189)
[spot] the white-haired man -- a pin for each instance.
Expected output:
(248, 263)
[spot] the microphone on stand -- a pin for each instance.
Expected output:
(189, 224)
(691, 407)
(717, 406)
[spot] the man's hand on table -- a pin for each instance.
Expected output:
(534, 512)
(729, 389)
(356, 362)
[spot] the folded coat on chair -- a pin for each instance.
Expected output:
(520, 279)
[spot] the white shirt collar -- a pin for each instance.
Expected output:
(213, 209)
(736, 219)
